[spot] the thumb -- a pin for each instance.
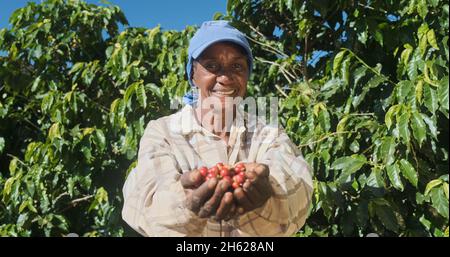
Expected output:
(191, 179)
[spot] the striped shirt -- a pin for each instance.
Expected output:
(155, 201)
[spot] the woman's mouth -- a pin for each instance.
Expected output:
(223, 93)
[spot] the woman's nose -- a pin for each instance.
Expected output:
(224, 76)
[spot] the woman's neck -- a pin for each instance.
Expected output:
(217, 122)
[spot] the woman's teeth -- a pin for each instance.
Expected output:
(223, 92)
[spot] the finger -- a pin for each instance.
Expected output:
(225, 206)
(191, 179)
(242, 200)
(211, 205)
(232, 213)
(264, 187)
(250, 166)
(261, 183)
(251, 175)
(262, 170)
(200, 195)
(252, 193)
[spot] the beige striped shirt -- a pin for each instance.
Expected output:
(155, 201)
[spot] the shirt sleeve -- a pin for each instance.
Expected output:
(154, 199)
(285, 212)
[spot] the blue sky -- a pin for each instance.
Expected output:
(171, 14)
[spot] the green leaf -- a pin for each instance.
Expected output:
(337, 61)
(349, 164)
(431, 100)
(88, 131)
(433, 183)
(87, 153)
(418, 127)
(387, 217)
(445, 187)
(379, 37)
(419, 91)
(439, 201)
(8, 185)
(404, 88)
(402, 125)
(388, 117)
(76, 67)
(375, 182)
(13, 166)
(100, 139)
(2, 144)
(345, 70)
(375, 81)
(431, 37)
(324, 120)
(54, 132)
(129, 92)
(409, 172)
(422, 36)
(123, 58)
(443, 93)
(388, 150)
(404, 57)
(354, 146)
(412, 65)
(35, 84)
(141, 96)
(155, 89)
(393, 172)
(431, 125)
(47, 102)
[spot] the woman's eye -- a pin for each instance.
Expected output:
(238, 67)
(211, 66)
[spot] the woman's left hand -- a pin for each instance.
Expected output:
(256, 189)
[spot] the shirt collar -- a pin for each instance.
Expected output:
(188, 124)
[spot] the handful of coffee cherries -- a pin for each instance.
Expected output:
(234, 175)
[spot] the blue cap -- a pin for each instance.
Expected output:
(212, 32)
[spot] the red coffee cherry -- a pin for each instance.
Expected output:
(224, 172)
(228, 178)
(234, 175)
(203, 171)
(239, 179)
(214, 171)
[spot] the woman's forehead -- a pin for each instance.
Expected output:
(220, 48)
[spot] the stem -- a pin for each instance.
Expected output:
(362, 114)
(263, 44)
(365, 64)
(21, 162)
(281, 91)
(74, 202)
(305, 60)
(277, 64)
(325, 137)
(269, 49)
(32, 124)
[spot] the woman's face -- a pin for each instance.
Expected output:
(221, 71)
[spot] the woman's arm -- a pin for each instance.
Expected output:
(285, 211)
(154, 198)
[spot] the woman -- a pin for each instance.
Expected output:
(165, 195)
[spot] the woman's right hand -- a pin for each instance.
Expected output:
(210, 198)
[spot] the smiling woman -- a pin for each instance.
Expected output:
(258, 183)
